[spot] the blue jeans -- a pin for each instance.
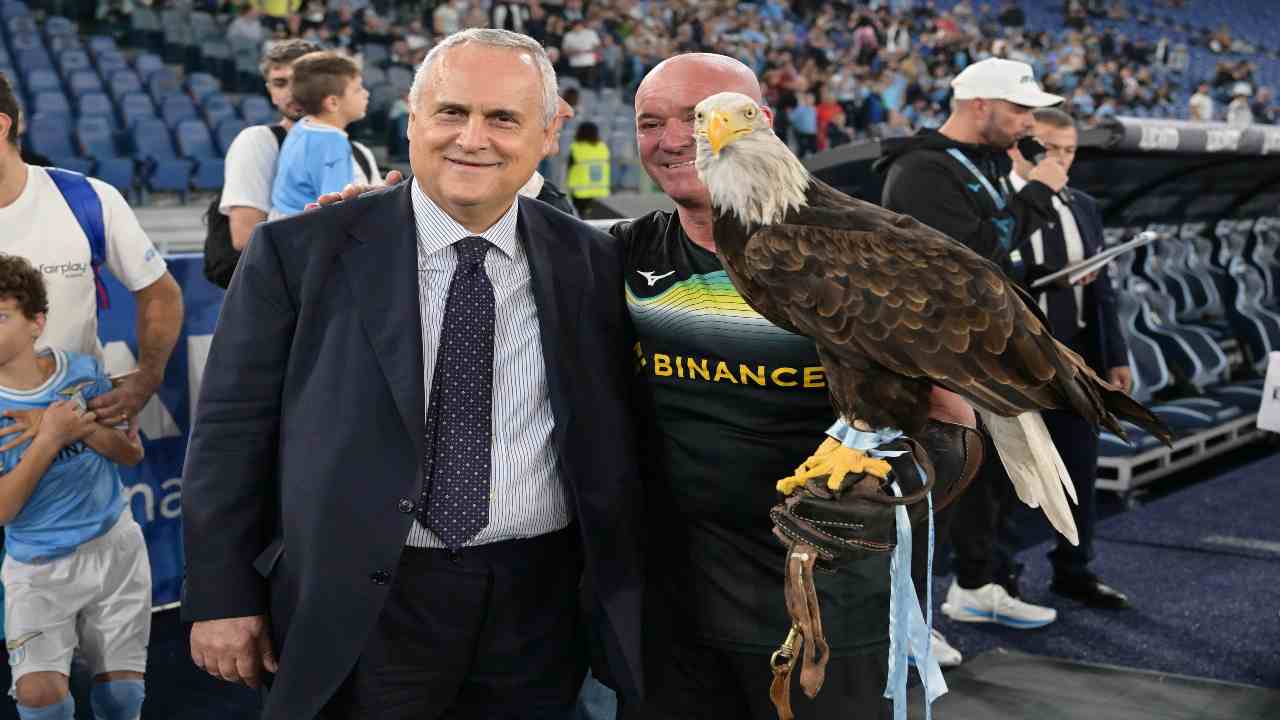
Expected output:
(595, 701)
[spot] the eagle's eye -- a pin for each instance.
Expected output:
(750, 113)
(697, 117)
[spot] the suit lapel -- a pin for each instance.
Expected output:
(382, 269)
(556, 268)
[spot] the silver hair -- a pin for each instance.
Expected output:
(490, 37)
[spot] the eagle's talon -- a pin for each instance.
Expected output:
(836, 463)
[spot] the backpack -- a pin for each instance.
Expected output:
(220, 256)
(86, 206)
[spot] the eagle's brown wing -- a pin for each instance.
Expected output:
(918, 304)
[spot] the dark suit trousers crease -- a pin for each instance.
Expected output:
(488, 632)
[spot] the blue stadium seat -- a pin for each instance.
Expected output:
(101, 43)
(161, 84)
(111, 63)
(95, 104)
(374, 54)
(400, 78)
(84, 166)
(194, 140)
(147, 63)
(61, 43)
(124, 82)
(151, 140)
(39, 81)
(202, 85)
(32, 59)
(20, 24)
(209, 174)
(12, 8)
(81, 82)
(95, 137)
(373, 75)
(256, 110)
(135, 106)
(118, 172)
(25, 40)
(71, 60)
(176, 108)
(50, 138)
(51, 102)
(57, 25)
(216, 108)
(227, 131)
(170, 176)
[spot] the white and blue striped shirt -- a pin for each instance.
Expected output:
(527, 497)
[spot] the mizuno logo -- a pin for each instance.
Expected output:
(653, 278)
(974, 187)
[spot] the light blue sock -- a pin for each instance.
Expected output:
(117, 700)
(65, 710)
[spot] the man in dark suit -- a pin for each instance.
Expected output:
(1084, 317)
(413, 452)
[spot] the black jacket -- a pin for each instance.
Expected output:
(307, 441)
(923, 181)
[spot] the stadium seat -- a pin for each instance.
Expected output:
(161, 84)
(147, 63)
(30, 59)
(124, 82)
(61, 43)
(176, 108)
(95, 137)
(400, 78)
(110, 63)
(71, 60)
(209, 174)
(21, 24)
(201, 85)
(39, 81)
(257, 111)
(81, 82)
(194, 140)
(99, 44)
(51, 103)
(118, 172)
(227, 131)
(216, 59)
(170, 176)
(84, 166)
(151, 140)
(374, 54)
(144, 27)
(57, 25)
(95, 104)
(373, 76)
(134, 107)
(50, 137)
(217, 108)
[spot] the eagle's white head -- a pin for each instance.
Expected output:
(746, 168)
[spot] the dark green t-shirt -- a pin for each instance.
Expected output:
(739, 403)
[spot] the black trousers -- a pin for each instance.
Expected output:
(1077, 442)
(490, 632)
(703, 683)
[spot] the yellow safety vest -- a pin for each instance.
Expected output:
(589, 174)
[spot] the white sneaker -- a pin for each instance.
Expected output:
(992, 603)
(942, 651)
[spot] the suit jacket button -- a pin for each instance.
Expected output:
(380, 577)
(405, 506)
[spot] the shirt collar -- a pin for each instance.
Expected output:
(1016, 181)
(437, 230)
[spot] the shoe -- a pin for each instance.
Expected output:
(1092, 592)
(941, 651)
(992, 603)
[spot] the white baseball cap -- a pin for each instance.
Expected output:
(999, 79)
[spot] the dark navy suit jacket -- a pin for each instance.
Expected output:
(309, 432)
(1104, 343)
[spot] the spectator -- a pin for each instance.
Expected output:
(1200, 105)
(580, 46)
(1240, 110)
(317, 157)
(838, 130)
(447, 17)
(513, 16)
(1264, 107)
(804, 124)
(247, 26)
(826, 110)
(251, 158)
(588, 167)
(276, 13)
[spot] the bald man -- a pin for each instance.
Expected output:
(737, 403)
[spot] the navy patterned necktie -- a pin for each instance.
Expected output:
(456, 469)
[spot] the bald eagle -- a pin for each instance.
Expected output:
(894, 308)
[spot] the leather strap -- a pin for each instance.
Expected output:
(806, 638)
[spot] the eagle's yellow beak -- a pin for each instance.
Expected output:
(723, 129)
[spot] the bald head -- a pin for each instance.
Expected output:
(664, 118)
(722, 72)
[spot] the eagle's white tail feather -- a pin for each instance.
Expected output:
(1035, 467)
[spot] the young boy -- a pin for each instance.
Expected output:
(316, 157)
(75, 570)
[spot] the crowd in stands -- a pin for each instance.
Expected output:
(834, 72)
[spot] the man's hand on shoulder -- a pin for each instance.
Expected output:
(235, 649)
(354, 191)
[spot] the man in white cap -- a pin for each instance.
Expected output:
(954, 179)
